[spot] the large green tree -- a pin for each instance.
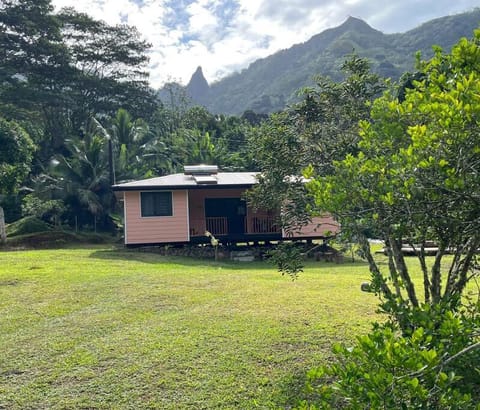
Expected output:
(15, 157)
(320, 129)
(62, 69)
(111, 64)
(416, 179)
(34, 59)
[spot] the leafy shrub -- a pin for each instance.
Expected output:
(48, 210)
(430, 368)
(29, 224)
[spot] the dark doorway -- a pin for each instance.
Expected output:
(234, 209)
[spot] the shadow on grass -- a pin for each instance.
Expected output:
(157, 258)
(292, 390)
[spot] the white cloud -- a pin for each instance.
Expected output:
(202, 21)
(226, 35)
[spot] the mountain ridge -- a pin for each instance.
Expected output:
(270, 83)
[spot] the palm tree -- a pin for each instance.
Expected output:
(126, 139)
(81, 179)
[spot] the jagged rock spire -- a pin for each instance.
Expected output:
(197, 87)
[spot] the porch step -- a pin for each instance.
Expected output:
(242, 256)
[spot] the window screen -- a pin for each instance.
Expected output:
(156, 203)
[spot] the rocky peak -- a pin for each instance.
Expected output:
(197, 87)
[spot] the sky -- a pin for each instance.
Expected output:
(225, 36)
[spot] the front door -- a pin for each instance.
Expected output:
(233, 209)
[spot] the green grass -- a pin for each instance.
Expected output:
(101, 328)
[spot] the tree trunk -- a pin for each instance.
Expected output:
(436, 284)
(393, 272)
(458, 274)
(396, 248)
(3, 232)
(378, 281)
(423, 264)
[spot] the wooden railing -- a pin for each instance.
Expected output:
(264, 225)
(217, 225)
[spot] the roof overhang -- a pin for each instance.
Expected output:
(199, 177)
(119, 188)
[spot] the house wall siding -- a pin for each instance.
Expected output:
(320, 226)
(156, 229)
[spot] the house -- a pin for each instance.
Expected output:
(179, 208)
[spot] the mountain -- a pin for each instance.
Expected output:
(270, 83)
(198, 88)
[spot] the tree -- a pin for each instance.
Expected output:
(81, 180)
(32, 53)
(15, 159)
(110, 63)
(416, 178)
(233, 133)
(127, 140)
(277, 146)
(319, 130)
(35, 63)
(62, 69)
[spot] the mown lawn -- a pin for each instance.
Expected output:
(101, 328)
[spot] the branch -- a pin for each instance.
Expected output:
(460, 353)
(441, 365)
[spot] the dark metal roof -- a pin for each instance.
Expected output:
(182, 181)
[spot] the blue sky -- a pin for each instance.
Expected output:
(224, 36)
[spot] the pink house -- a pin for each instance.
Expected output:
(179, 208)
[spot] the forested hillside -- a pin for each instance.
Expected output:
(269, 84)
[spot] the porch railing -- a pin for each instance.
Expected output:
(217, 225)
(264, 225)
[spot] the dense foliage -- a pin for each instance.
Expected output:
(433, 367)
(319, 130)
(15, 159)
(79, 87)
(414, 180)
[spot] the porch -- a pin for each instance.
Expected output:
(226, 215)
(223, 227)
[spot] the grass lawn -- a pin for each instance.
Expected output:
(100, 328)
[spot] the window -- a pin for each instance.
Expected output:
(156, 203)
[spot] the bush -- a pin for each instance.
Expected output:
(29, 224)
(430, 368)
(47, 210)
